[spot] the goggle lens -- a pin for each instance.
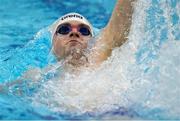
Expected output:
(64, 29)
(84, 31)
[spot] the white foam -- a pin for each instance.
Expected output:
(120, 81)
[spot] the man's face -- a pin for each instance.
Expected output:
(71, 38)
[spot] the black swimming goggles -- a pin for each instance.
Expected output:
(66, 28)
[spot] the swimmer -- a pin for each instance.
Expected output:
(72, 33)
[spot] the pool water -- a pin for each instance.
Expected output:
(142, 80)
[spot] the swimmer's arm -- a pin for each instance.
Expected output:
(116, 31)
(33, 74)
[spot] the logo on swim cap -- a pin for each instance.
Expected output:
(72, 16)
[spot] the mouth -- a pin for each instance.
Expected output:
(74, 42)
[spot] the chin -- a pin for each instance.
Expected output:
(75, 45)
(74, 51)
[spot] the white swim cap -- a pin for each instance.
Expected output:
(69, 17)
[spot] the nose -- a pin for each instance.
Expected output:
(74, 34)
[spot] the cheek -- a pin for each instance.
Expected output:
(57, 45)
(86, 40)
(85, 44)
(59, 42)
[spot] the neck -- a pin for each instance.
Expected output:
(76, 62)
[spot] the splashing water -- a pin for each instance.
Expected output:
(140, 80)
(142, 75)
